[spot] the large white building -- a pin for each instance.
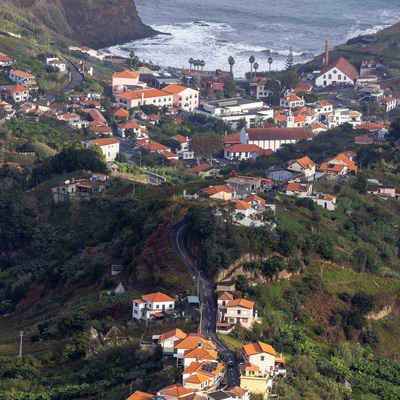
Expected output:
(341, 116)
(143, 97)
(235, 110)
(274, 138)
(339, 72)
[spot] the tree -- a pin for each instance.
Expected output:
(252, 59)
(270, 61)
(229, 88)
(289, 61)
(131, 56)
(231, 62)
(205, 145)
(202, 63)
(290, 79)
(191, 61)
(255, 66)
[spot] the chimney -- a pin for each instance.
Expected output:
(326, 52)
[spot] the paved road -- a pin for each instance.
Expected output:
(76, 79)
(177, 238)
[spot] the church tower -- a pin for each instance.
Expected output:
(289, 123)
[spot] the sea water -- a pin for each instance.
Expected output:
(213, 30)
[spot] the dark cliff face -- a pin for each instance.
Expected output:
(94, 23)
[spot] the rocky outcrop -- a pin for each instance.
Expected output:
(94, 23)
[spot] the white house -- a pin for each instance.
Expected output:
(274, 138)
(339, 72)
(55, 62)
(109, 147)
(260, 354)
(191, 342)
(292, 101)
(235, 110)
(152, 306)
(240, 311)
(242, 151)
(139, 130)
(303, 165)
(202, 375)
(326, 201)
(122, 80)
(343, 115)
(142, 97)
(19, 93)
(183, 97)
(199, 354)
(167, 340)
(22, 78)
(388, 103)
(299, 189)
(5, 61)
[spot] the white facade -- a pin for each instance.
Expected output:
(343, 115)
(139, 98)
(151, 305)
(183, 97)
(22, 78)
(109, 147)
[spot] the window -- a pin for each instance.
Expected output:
(170, 306)
(344, 77)
(334, 71)
(245, 320)
(157, 306)
(329, 76)
(262, 358)
(239, 312)
(231, 319)
(135, 312)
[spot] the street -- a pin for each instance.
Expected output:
(208, 308)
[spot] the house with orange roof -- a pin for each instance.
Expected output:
(142, 97)
(231, 139)
(124, 81)
(370, 126)
(153, 306)
(326, 201)
(18, 93)
(56, 63)
(152, 146)
(191, 342)
(121, 113)
(199, 354)
(5, 61)
(185, 98)
(264, 357)
(321, 107)
(223, 192)
(139, 131)
(184, 153)
(167, 340)
(318, 127)
(222, 301)
(259, 204)
(339, 72)
(201, 375)
(138, 395)
(176, 392)
(299, 189)
(303, 165)
(204, 170)
(109, 147)
(254, 380)
(363, 139)
(339, 165)
(22, 78)
(241, 208)
(242, 151)
(240, 311)
(292, 101)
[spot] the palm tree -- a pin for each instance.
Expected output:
(202, 63)
(270, 61)
(195, 64)
(131, 55)
(251, 61)
(231, 62)
(134, 62)
(255, 66)
(191, 61)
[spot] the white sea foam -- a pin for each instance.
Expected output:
(211, 32)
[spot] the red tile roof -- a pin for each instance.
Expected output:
(257, 348)
(363, 139)
(343, 66)
(244, 148)
(180, 138)
(18, 88)
(104, 142)
(298, 187)
(241, 303)
(126, 74)
(201, 168)
(157, 297)
(279, 134)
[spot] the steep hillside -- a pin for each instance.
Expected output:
(86, 21)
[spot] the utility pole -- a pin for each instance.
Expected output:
(21, 334)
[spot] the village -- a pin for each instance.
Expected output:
(258, 130)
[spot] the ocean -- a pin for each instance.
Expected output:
(212, 30)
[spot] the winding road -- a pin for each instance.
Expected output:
(208, 308)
